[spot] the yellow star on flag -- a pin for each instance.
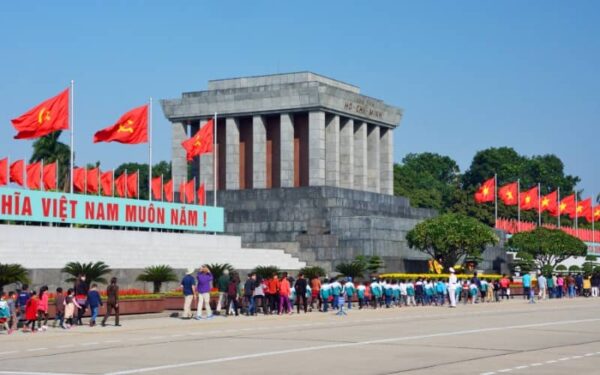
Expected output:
(545, 202)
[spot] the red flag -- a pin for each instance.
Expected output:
(49, 176)
(486, 192)
(34, 176)
(92, 180)
(566, 206)
(582, 209)
(593, 215)
(529, 199)
(509, 194)
(45, 118)
(157, 188)
(186, 191)
(132, 185)
(16, 172)
(131, 128)
(201, 195)
(169, 191)
(106, 181)
(201, 142)
(3, 171)
(121, 185)
(79, 180)
(549, 202)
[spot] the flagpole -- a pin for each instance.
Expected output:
(42, 176)
(593, 229)
(576, 215)
(72, 127)
(495, 199)
(215, 156)
(150, 151)
(126, 183)
(518, 205)
(138, 184)
(85, 181)
(113, 183)
(539, 204)
(558, 206)
(162, 187)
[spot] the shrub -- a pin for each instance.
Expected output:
(574, 268)
(157, 275)
(266, 272)
(313, 271)
(12, 273)
(216, 269)
(93, 272)
(353, 269)
(561, 267)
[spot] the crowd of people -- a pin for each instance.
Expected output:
(279, 294)
(31, 307)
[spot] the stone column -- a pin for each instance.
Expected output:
(286, 150)
(232, 154)
(360, 155)
(206, 167)
(373, 159)
(259, 152)
(347, 154)
(316, 148)
(179, 134)
(386, 165)
(332, 151)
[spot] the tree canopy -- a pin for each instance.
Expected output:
(49, 149)
(434, 181)
(547, 247)
(449, 238)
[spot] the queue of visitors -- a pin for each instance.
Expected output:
(279, 294)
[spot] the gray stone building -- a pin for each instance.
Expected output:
(304, 163)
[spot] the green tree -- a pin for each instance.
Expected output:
(162, 168)
(449, 238)
(546, 246)
(11, 274)
(371, 264)
(427, 179)
(49, 149)
(94, 271)
(157, 275)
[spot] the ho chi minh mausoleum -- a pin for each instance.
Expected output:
(305, 164)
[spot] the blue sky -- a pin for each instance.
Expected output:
(469, 74)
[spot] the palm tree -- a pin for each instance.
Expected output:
(157, 275)
(216, 269)
(93, 272)
(49, 149)
(266, 272)
(351, 269)
(312, 271)
(11, 274)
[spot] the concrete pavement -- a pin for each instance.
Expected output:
(558, 336)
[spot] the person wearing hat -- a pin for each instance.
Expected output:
(188, 286)
(452, 283)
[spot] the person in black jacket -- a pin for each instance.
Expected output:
(249, 287)
(300, 288)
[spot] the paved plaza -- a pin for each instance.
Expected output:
(553, 337)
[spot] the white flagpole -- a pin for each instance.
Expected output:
(539, 205)
(495, 199)
(42, 177)
(126, 187)
(558, 205)
(593, 229)
(137, 179)
(85, 181)
(576, 216)
(113, 183)
(215, 157)
(72, 127)
(57, 174)
(150, 151)
(162, 187)
(518, 205)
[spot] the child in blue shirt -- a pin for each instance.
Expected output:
(94, 301)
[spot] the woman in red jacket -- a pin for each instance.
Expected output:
(31, 311)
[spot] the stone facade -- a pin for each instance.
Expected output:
(301, 133)
(326, 225)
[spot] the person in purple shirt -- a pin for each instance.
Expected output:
(205, 280)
